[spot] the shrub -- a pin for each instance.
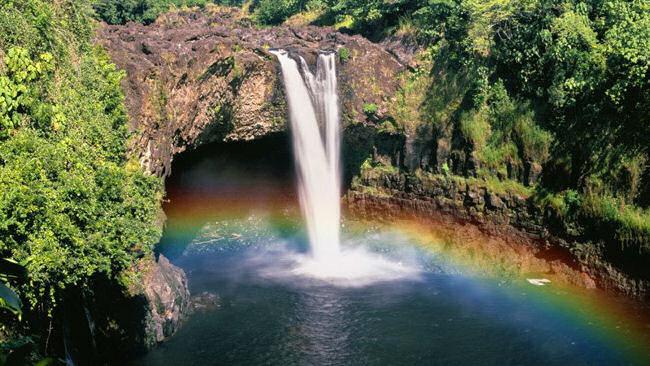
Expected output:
(344, 54)
(370, 109)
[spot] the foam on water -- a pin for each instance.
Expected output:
(315, 129)
(354, 268)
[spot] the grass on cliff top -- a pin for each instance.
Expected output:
(491, 184)
(629, 225)
(494, 185)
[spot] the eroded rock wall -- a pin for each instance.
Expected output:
(168, 295)
(194, 77)
(509, 216)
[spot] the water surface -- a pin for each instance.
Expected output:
(267, 315)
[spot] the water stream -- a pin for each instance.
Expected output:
(313, 106)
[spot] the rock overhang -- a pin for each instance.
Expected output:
(195, 77)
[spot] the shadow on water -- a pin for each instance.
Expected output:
(226, 180)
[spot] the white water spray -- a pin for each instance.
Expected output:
(316, 134)
(314, 107)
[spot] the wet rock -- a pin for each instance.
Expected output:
(474, 198)
(205, 301)
(168, 295)
(494, 202)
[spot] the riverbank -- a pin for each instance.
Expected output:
(471, 209)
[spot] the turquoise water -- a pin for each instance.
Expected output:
(266, 315)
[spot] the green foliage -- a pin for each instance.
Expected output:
(19, 92)
(586, 65)
(275, 11)
(445, 169)
(272, 12)
(617, 222)
(145, 11)
(554, 204)
(344, 54)
(533, 140)
(572, 199)
(71, 208)
(9, 300)
(475, 128)
(370, 109)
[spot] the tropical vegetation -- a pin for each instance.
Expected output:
(72, 207)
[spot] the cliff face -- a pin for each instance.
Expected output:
(167, 292)
(201, 76)
(466, 209)
(108, 324)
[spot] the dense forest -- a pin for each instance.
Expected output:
(563, 85)
(72, 207)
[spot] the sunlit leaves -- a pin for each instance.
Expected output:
(69, 207)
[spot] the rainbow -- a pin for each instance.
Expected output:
(618, 322)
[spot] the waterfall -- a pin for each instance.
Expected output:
(315, 129)
(316, 134)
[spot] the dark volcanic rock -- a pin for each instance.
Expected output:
(494, 201)
(168, 295)
(504, 215)
(194, 77)
(114, 324)
(533, 172)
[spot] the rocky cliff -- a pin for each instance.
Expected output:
(490, 210)
(167, 292)
(107, 324)
(194, 77)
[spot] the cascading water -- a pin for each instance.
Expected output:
(316, 134)
(314, 107)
